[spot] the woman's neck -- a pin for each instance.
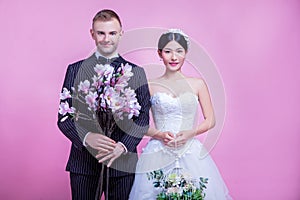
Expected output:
(173, 75)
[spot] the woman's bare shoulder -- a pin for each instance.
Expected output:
(155, 80)
(195, 80)
(154, 84)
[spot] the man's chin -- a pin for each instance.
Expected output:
(106, 53)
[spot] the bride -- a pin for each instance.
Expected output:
(175, 99)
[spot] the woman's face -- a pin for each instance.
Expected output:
(173, 55)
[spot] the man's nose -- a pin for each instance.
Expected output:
(106, 38)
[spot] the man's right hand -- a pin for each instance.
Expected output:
(100, 142)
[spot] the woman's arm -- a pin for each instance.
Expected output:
(207, 109)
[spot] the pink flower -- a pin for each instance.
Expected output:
(64, 108)
(132, 106)
(65, 94)
(127, 70)
(107, 95)
(100, 69)
(123, 80)
(95, 81)
(108, 75)
(120, 86)
(84, 86)
(116, 102)
(134, 111)
(114, 94)
(90, 99)
(126, 74)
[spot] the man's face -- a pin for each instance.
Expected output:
(106, 35)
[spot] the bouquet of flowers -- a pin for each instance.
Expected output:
(107, 97)
(177, 185)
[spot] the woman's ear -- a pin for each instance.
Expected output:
(159, 53)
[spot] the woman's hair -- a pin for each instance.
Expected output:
(169, 36)
(106, 15)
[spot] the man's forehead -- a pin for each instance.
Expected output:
(110, 25)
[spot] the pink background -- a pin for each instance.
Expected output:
(254, 43)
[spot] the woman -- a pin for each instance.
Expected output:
(175, 99)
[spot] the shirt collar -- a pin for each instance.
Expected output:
(115, 55)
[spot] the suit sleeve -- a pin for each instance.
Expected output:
(140, 124)
(71, 129)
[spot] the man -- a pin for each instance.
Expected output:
(91, 149)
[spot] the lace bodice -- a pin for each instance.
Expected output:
(174, 113)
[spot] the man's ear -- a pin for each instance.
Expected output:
(92, 33)
(121, 33)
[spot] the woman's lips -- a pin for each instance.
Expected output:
(173, 64)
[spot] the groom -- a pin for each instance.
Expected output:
(98, 163)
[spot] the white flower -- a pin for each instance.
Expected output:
(127, 70)
(126, 74)
(100, 69)
(90, 99)
(108, 75)
(116, 103)
(65, 94)
(132, 106)
(172, 190)
(64, 108)
(84, 86)
(96, 81)
(114, 95)
(106, 97)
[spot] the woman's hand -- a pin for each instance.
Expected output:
(181, 138)
(165, 137)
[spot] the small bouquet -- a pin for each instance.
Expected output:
(177, 185)
(106, 98)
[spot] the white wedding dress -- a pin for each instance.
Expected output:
(175, 114)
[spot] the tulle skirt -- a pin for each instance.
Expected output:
(156, 156)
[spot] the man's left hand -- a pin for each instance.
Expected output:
(111, 156)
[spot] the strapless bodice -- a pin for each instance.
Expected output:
(174, 113)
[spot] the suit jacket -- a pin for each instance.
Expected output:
(129, 132)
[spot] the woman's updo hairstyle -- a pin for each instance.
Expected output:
(176, 35)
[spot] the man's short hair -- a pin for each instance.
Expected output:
(106, 15)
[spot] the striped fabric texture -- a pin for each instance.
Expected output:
(83, 166)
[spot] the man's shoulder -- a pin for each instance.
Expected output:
(83, 62)
(130, 63)
(134, 66)
(76, 64)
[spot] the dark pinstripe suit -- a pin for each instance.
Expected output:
(83, 166)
